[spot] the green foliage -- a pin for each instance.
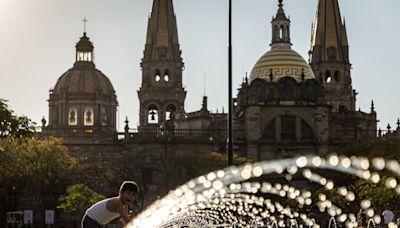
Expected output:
(237, 159)
(95, 172)
(78, 198)
(11, 125)
(40, 167)
(378, 194)
(387, 147)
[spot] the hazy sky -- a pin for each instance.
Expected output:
(38, 37)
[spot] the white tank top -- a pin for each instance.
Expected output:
(100, 213)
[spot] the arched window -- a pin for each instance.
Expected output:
(104, 116)
(157, 77)
(88, 116)
(311, 90)
(291, 130)
(270, 132)
(276, 32)
(281, 32)
(337, 76)
(166, 76)
(72, 116)
(152, 115)
(288, 128)
(287, 89)
(328, 77)
(169, 114)
(84, 56)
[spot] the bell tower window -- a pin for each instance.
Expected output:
(157, 77)
(84, 56)
(337, 77)
(152, 116)
(166, 76)
(84, 49)
(328, 77)
(169, 114)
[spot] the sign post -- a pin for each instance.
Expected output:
(49, 217)
(28, 217)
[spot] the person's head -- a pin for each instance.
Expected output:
(128, 191)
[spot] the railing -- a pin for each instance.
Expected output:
(210, 134)
(336, 136)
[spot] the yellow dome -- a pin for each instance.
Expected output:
(283, 62)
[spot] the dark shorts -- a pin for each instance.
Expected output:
(88, 222)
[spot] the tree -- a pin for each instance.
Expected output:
(378, 194)
(78, 198)
(39, 169)
(11, 125)
(387, 147)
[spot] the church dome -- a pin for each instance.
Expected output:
(83, 101)
(83, 80)
(280, 62)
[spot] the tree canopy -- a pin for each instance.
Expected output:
(11, 125)
(78, 198)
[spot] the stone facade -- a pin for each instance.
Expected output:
(287, 107)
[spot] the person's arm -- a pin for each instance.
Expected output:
(117, 206)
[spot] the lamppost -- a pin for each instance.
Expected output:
(230, 130)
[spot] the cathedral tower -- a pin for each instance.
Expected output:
(161, 94)
(329, 56)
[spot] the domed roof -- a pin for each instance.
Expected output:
(83, 80)
(281, 61)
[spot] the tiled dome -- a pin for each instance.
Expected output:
(281, 62)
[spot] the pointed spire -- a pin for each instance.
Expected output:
(204, 106)
(280, 29)
(372, 106)
(126, 128)
(162, 33)
(344, 40)
(329, 41)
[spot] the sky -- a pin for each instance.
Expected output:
(38, 37)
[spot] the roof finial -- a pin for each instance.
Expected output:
(372, 106)
(85, 20)
(280, 3)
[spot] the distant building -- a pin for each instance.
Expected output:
(83, 104)
(287, 106)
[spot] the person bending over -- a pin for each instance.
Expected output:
(109, 209)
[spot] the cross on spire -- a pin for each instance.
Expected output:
(85, 21)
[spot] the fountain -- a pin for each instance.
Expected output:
(271, 194)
